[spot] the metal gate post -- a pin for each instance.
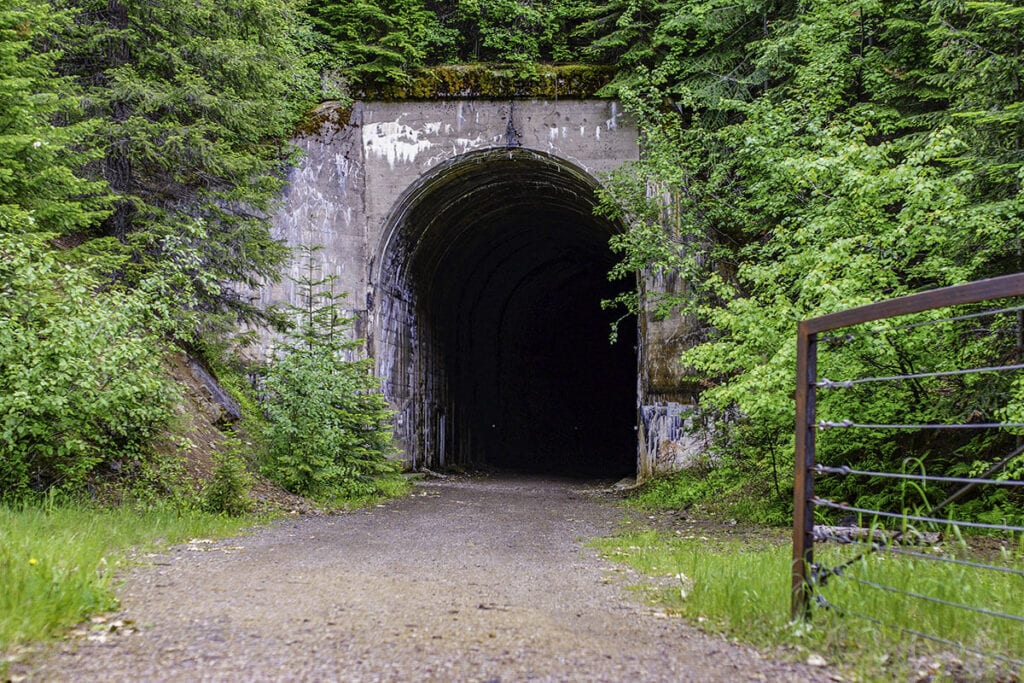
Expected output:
(803, 483)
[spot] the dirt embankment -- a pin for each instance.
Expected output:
(205, 416)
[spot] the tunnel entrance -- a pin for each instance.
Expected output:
(490, 331)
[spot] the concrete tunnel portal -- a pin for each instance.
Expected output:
(488, 325)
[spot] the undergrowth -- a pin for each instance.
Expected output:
(717, 492)
(59, 562)
(741, 589)
(382, 487)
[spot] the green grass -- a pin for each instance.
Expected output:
(58, 563)
(741, 590)
(720, 492)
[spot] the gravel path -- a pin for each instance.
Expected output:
(468, 580)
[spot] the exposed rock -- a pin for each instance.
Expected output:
(228, 411)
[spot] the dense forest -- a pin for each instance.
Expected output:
(799, 157)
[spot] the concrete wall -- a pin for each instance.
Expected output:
(360, 164)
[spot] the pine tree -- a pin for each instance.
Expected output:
(512, 31)
(378, 41)
(37, 158)
(191, 103)
(618, 32)
(979, 51)
(330, 431)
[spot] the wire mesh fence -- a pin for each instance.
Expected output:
(909, 489)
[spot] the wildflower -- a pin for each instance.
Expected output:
(33, 561)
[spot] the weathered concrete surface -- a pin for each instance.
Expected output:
(358, 164)
(414, 202)
(403, 140)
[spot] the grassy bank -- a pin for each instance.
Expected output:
(719, 492)
(58, 563)
(740, 589)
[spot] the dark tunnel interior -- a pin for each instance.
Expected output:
(508, 278)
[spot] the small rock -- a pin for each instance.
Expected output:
(816, 660)
(624, 484)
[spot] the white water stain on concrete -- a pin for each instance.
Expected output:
(396, 142)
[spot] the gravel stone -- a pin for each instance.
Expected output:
(468, 579)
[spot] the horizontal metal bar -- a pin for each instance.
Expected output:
(824, 502)
(844, 470)
(826, 383)
(879, 547)
(990, 472)
(932, 599)
(924, 323)
(970, 293)
(848, 424)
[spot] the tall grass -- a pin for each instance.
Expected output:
(742, 590)
(58, 563)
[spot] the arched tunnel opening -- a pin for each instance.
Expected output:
(492, 280)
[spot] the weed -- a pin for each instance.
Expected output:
(380, 488)
(721, 492)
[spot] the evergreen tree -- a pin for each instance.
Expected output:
(37, 158)
(979, 52)
(511, 31)
(330, 431)
(378, 41)
(618, 32)
(191, 103)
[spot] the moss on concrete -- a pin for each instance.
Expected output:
(496, 81)
(334, 115)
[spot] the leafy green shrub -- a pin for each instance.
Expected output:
(329, 430)
(82, 390)
(855, 152)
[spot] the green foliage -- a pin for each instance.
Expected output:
(58, 562)
(82, 389)
(381, 43)
(721, 490)
(190, 103)
(227, 491)
(329, 430)
(617, 32)
(978, 52)
(377, 41)
(802, 158)
(37, 158)
(508, 30)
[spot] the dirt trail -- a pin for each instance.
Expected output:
(469, 580)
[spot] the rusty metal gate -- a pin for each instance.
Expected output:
(907, 531)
